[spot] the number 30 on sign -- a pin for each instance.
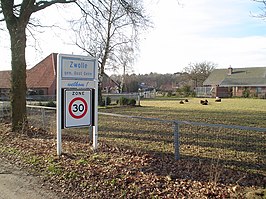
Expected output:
(78, 109)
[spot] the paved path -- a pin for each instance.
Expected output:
(17, 184)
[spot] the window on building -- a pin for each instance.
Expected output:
(259, 90)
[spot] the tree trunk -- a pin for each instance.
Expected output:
(17, 16)
(18, 77)
(100, 88)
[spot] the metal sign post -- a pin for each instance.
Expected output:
(77, 95)
(95, 127)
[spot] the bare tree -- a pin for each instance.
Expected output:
(17, 15)
(108, 26)
(109, 30)
(198, 72)
(126, 59)
(107, 21)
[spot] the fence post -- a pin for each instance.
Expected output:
(139, 99)
(43, 117)
(176, 140)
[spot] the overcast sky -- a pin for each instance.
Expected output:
(191, 31)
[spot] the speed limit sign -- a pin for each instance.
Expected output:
(78, 109)
(76, 95)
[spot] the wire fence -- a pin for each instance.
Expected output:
(4, 109)
(230, 145)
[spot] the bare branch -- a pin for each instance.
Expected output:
(263, 10)
(108, 27)
(44, 4)
(260, 1)
(31, 24)
(86, 50)
(7, 10)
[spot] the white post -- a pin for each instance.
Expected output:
(58, 108)
(95, 127)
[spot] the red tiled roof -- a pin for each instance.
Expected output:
(43, 74)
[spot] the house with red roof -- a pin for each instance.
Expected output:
(41, 79)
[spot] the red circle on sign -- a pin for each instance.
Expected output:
(70, 108)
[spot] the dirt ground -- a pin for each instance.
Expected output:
(18, 184)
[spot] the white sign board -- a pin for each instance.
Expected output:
(77, 94)
(78, 67)
(78, 109)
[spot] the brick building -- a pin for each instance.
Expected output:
(236, 82)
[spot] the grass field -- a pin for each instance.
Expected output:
(234, 148)
(245, 112)
(135, 158)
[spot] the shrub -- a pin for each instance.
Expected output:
(169, 94)
(126, 101)
(186, 90)
(193, 94)
(246, 93)
(123, 101)
(132, 102)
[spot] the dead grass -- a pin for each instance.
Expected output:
(238, 149)
(135, 158)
